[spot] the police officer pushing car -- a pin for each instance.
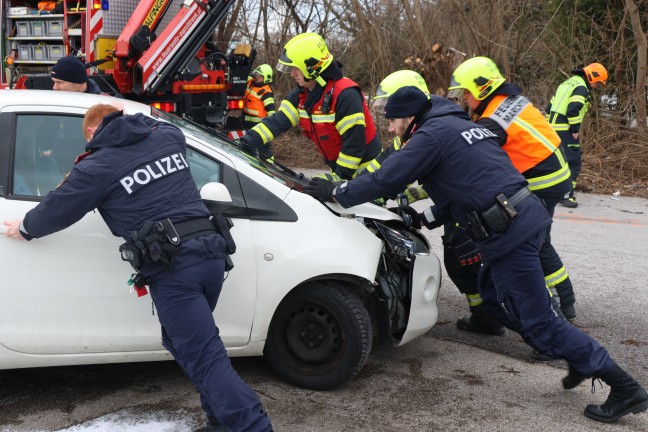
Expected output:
(472, 180)
(135, 173)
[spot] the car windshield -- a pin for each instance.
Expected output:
(219, 140)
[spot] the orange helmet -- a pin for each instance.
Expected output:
(595, 72)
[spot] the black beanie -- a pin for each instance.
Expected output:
(405, 102)
(70, 69)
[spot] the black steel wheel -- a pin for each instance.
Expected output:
(320, 336)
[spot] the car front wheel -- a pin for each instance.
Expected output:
(320, 336)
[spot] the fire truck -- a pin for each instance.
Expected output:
(159, 52)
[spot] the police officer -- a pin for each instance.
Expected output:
(329, 108)
(566, 111)
(70, 74)
(136, 174)
(532, 146)
(259, 96)
(460, 254)
(472, 180)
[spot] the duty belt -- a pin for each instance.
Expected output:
(496, 218)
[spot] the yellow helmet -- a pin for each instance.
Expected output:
(308, 53)
(479, 75)
(265, 71)
(595, 72)
(394, 81)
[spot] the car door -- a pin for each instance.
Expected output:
(67, 293)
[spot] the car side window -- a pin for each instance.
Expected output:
(203, 169)
(45, 149)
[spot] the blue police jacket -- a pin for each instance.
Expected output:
(135, 171)
(462, 167)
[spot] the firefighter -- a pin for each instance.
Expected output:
(330, 109)
(259, 96)
(473, 181)
(532, 145)
(173, 245)
(460, 254)
(565, 113)
(69, 74)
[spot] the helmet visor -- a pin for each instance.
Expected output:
(285, 64)
(455, 93)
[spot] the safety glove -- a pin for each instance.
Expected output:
(246, 143)
(321, 189)
(406, 212)
(332, 177)
(415, 193)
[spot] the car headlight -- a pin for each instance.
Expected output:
(402, 243)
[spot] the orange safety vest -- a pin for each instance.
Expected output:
(253, 103)
(530, 138)
(320, 126)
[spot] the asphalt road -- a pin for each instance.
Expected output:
(445, 381)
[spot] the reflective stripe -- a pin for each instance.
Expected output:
(373, 165)
(362, 167)
(346, 161)
(290, 112)
(556, 277)
(349, 121)
(323, 118)
(268, 101)
(428, 215)
(253, 119)
(552, 179)
(264, 132)
(535, 134)
(474, 300)
(252, 112)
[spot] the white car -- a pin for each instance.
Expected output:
(313, 285)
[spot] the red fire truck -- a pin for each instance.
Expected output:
(160, 52)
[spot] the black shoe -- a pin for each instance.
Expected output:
(478, 325)
(626, 396)
(571, 203)
(573, 379)
(569, 312)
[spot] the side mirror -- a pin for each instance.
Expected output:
(214, 191)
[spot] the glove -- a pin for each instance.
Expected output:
(415, 193)
(409, 215)
(468, 255)
(247, 144)
(321, 189)
(332, 177)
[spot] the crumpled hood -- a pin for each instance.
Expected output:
(366, 210)
(129, 130)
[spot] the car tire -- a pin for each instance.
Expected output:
(320, 336)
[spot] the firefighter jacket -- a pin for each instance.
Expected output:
(335, 117)
(569, 105)
(377, 162)
(462, 168)
(135, 171)
(527, 138)
(259, 102)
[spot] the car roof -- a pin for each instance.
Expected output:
(45, 98)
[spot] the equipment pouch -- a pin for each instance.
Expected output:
(129, 252)
(496, 218)
(222, 226)
(506, 205)
(476, 227)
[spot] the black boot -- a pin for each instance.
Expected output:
(573, 379)
(626, 396)
(480, 322)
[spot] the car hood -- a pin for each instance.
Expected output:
(366, 210)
